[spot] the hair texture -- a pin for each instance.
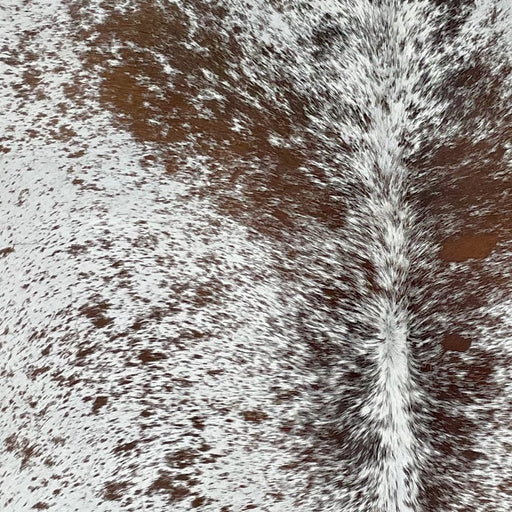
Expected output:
(255, 255)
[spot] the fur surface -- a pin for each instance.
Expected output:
(256, 255)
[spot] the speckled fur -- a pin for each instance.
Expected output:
(220, 234)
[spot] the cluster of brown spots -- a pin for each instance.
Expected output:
(165, 483)
(96, 314)
(22, 447)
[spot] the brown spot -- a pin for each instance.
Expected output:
(99, 402)
(77, 154)
(255, 416)
(468, 247)
(506, 486)
(456, 342)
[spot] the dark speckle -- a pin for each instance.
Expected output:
(137, 325)
(102, 321)
(213, 373)
(181, 458)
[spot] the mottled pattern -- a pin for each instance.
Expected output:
(256, 255)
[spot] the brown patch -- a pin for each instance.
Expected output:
(468, 247)
(255, 416)
(456, 342)
(140, 93)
